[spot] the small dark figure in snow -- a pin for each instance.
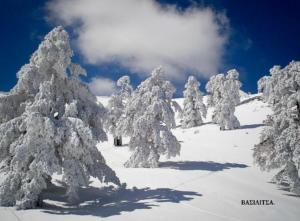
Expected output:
(118, 141)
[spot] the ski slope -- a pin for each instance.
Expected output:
(213, 173)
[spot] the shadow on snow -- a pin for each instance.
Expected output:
(200, 165)
(251, 126)
(107, 201)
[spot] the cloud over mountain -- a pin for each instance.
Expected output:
(142, 34)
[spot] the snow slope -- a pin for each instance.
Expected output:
(207, 181)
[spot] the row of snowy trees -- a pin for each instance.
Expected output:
(50, 122)
(147, 117)
(279, 146)
(223, 96)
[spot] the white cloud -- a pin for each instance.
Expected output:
(142, 34)
(102, 86)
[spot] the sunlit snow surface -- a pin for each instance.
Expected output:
(213, 173)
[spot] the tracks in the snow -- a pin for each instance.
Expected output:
(223, 217)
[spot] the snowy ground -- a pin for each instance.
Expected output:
(213, 174)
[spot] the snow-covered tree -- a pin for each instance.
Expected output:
(125, 88)
(50, 123)
(232, 86)
(279, 146)
(214, 88)
(224, 96)
(267, 84)
(116, 106)
(148, 120)
(193, 106)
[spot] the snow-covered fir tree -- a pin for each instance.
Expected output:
(224, 96)
(116, 106)
(279, 146)
(148, 120)
(125, 87)
(266, 85)
(193, 106)
(50, 123)
(214, 89)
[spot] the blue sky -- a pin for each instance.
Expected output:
(259, 34)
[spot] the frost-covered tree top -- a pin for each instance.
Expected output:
(116, 104)
(279, 145)
(50, 123)
(214, 88)
(193, 105)
(232, 86)
(266, 85)
(125, 88)
(223, 95)
(148, 120)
